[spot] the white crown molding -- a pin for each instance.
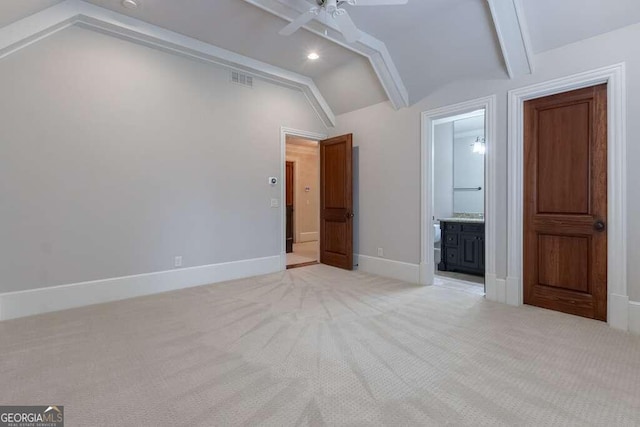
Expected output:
(614, 77)
(513, 35)
(33, 28)
(368, 46)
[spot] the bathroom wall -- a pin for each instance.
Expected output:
(443, 170)
(468, 167)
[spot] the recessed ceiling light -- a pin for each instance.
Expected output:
(313, 56)
(130, 4)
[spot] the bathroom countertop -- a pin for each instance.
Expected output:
(465, 220)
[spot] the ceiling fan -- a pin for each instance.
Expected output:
(333, 10)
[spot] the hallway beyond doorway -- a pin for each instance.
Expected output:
(303, 253)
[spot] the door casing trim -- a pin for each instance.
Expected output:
(614, 77)
(427, 270)
(284, 131)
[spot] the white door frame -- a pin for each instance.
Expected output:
(614, 76)
(427, 184)
(284, 131)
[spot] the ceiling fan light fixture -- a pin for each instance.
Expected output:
(332, 9)
(130, 4)
(313, 56)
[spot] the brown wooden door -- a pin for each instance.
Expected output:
(565, 202)
(336, 202)
(289, 205)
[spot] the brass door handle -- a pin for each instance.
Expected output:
(599, 226)
(350, 215)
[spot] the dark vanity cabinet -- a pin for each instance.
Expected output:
(462, 247)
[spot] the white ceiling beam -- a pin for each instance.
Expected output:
(26, 31)
(513, 35)
(368, 46)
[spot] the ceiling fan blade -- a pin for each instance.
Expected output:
(377, 2)
(349, 30)
(299, 22)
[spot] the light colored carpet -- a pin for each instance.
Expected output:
(316, 346)
(303, 253)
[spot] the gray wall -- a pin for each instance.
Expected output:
(115, 157)
(389, 181)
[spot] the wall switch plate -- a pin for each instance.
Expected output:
(380, 252)
(177, 261)
(275, 203)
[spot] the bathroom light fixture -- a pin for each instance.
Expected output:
(479, 146)
(130, 4)
(313, 56)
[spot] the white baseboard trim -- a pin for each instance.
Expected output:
(55, 298)
(388, 268)
(512, 294)
(634, 317)
(427, 273)
(491, 287)
(311, 236)
(618, 312)
(498, 289)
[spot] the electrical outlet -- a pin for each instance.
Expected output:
(177, 262)
(380, 252)
(275, 203)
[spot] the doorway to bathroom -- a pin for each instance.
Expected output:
(458, 182)
(459, 148)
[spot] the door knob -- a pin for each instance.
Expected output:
(599, 225)
(349, 215)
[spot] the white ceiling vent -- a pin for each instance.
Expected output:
(241, 79)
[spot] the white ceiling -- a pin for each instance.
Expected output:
(432, 42)
(14, 10)
(555, 23)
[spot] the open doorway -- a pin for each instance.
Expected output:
(458, 220)
(302, 197)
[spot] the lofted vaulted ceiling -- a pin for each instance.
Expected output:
(408, 51)
(434, 42)
(554, 23)
(243, 28)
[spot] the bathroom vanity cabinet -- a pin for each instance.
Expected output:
(462, 246)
